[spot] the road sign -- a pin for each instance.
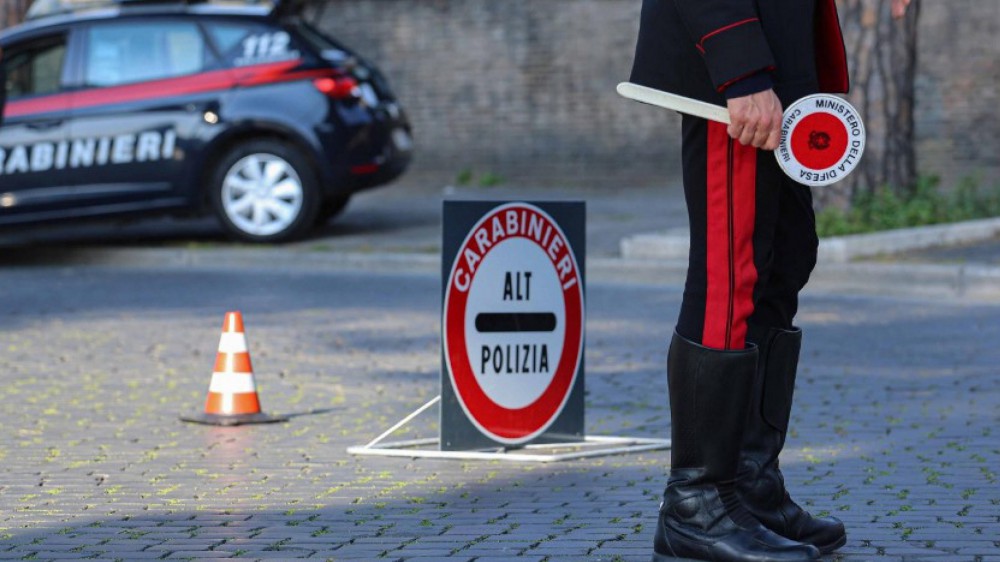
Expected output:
(512, 323)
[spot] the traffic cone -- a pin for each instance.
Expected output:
(232, 395)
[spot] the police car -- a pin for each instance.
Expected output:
(245, 111)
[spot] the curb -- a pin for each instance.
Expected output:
(922, 281)
(838, 249)
(968, 282)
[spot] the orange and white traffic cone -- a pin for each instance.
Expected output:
(232, 394)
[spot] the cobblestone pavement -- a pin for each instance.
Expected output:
(895, 425)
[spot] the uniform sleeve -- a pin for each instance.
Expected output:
(729, 37)
(750, 85)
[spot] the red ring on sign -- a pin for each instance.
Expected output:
(819, 141)
(518, 424)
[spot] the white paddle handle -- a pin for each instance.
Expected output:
(667, 100)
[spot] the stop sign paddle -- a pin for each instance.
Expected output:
(822, 136)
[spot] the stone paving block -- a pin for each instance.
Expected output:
(423, 551)
(435, 558)
(126, 546)
(350, 551)
(526, 558)
(197, 555)
(133, 554)
(284, 554)
(495, 549)
(561, 550)
(187, 545)
(979, 550)
(57, 555)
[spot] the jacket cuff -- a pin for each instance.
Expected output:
(756, 82)
(734, 51)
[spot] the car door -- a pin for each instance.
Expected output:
(35, 175)
(150, 93)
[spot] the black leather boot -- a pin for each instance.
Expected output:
(761, 486)
(701, 517)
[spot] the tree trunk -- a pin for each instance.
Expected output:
(882, 56)
(12, 12)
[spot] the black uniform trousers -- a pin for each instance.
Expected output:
(753, 238)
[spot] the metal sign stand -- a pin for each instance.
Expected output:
(518, 269)
(591, 446)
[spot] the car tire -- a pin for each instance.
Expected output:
(265, 191)
(331, 207)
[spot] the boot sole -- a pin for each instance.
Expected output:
(827, 549)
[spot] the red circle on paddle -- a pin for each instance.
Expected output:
(819, 141)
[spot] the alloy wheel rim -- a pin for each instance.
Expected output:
(262, 194)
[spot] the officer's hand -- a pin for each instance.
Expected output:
(899, 8)
(756, 120)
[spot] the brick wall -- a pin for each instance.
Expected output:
(525, 88)
(11, 12)
(520, 88)
(958, 90)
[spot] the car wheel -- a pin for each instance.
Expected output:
(332, 207)
(265, 191)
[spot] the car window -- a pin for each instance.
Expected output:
(132, 52)
(36, 68)
(243, 44)
(328, 48)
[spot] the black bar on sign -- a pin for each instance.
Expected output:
(488, 322)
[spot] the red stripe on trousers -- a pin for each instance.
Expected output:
(731, 191)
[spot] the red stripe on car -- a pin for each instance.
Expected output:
(215, 80)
